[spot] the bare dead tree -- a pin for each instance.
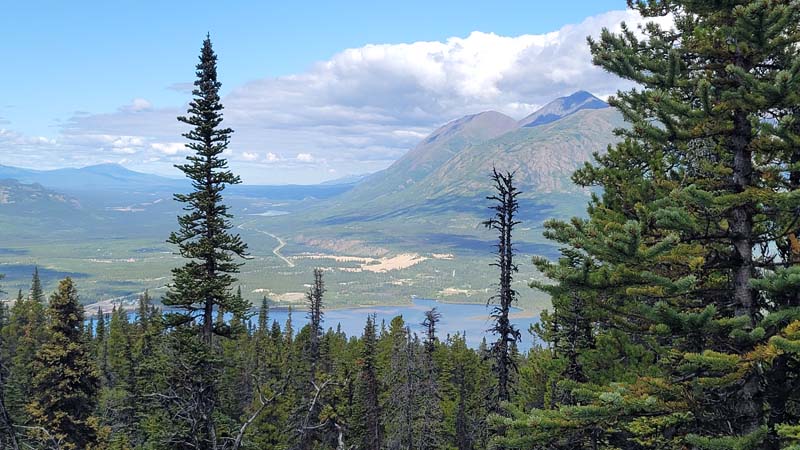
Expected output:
(331, 422)
(503, 222)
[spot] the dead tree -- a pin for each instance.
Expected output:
(503, 222)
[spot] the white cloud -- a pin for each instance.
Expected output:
(138, 105)
(170, 148)
(362, 108)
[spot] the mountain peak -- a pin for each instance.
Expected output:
(563, 107)
(480, 126)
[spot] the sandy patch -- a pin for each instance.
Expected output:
(376, 265)
(455, 291)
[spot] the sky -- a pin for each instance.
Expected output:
(314, 90)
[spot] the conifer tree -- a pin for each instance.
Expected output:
(64, 389)
(369, 413)
(430, 417)
(202, 286)
(400, 379)
(8, 432)
(23, 336)
(689, 252)
(37, 293)
(503, 222)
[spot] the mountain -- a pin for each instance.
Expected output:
(563, 107)
(431, 153)
(19, 197)
(543, 157)
(91, 178)
(456, 159)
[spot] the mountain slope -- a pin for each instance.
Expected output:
(543, 157)
(563, 107)
(21, 198)
(431, 153)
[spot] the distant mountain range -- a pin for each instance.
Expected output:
(102, 176)
(544, 149)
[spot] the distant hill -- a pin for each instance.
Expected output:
(563, 107)
(103, 176)
(544, 149)
(20, 198)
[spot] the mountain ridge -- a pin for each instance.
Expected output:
(562, 107)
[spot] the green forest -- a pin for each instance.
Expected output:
(675, 314)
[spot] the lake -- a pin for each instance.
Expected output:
(469, 318)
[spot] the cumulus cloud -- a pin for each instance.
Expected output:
(169, 148)
(137, 105)
(364, 107)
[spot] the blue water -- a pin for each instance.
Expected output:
(469, 318)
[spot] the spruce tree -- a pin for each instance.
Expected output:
(66, 380)
(203, 285)
(369, 413)
(401, 379)
(430, 417)
(684, 272)
(37, 293)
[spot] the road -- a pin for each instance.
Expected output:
(276, 250)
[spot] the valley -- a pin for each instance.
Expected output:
(412, 230)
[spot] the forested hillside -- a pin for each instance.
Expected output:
(675, 302)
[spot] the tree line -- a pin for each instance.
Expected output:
(675, 318)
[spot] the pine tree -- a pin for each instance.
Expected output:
(23, 336)
(369, 413)
(311, 404)
(37, 293)
(401, 379)
(64, 389)
(430, 417)
(101, 344)
(8, 432)
(503, 222)
(202, 286)
(690, 251)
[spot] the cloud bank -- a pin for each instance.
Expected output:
(353, 113)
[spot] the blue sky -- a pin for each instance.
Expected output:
(91, 81)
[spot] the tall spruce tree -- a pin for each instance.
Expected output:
(430, 417)
(37, 292)
(65, 387)
(203, 284)
(503, 222)
(369, 413)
